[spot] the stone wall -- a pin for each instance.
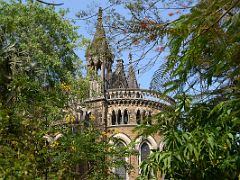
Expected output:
(120, 112)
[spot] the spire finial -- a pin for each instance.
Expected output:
(100, 11)
(99, 47)
(132, 81)
(130, 56)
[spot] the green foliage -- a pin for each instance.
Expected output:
(204, 44)
(83, 153)
(36, 58)
(200, 143)
(40, 80)
(201, 131)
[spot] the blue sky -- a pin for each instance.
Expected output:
(144, 77)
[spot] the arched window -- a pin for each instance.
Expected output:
(113, 118)
(144, 154)
(144, 117)
(119, 117)
(121, 171)
(144, 151)
(138, 117)
(125, 117)
(149, 121)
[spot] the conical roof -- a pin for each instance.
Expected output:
(99, 49)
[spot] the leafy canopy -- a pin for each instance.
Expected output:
(201, 132)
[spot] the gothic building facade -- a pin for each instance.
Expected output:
(118, 103)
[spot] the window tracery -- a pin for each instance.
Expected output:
(121, 170)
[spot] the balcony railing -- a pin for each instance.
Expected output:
(138, 94)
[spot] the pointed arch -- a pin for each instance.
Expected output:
(144, 151)
(149, 139)
(124, 140)
(125, 117)
(144, 145)
(149, 118)
(138, 117)
(119, 117)
(120, 171)
(122, 137)
(144, 116)
(114, 121)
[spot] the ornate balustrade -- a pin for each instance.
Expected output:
(142, 95)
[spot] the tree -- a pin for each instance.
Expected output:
(37, 59)
(47, 3)
(201, 131)
(40, 89)
(139, 25)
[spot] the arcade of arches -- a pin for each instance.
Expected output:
(119, 117)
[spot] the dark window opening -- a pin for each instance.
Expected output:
(125, 117)
(144, 117)
(119, 117)
(113, 118)
(145, 151)
(149, 120)
(138, 117)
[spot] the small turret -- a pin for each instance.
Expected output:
(99, 57)
(131, 79)
(118, 77)
(99, 52)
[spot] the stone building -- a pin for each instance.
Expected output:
(118, 103)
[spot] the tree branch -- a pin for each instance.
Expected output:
(47, 3)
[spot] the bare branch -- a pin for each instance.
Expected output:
(47, 3)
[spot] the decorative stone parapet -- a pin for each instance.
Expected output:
(142, 96)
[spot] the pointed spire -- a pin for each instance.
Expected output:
(100, 14)
(130, 57)
(119, 79)
(100, 32)
(99, 50)
(132, 81)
